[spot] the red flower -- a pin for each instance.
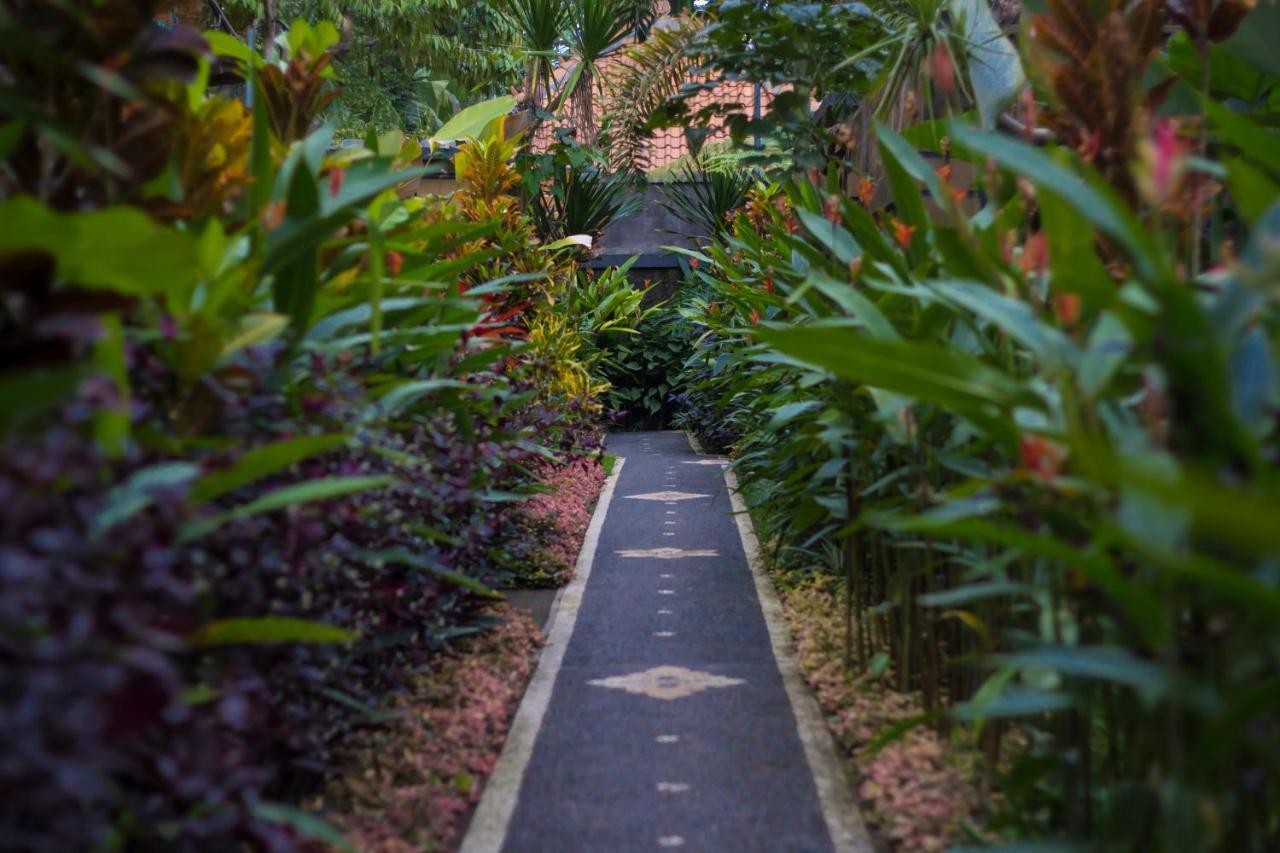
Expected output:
(1035, 254)
(273, 215)
(395, 261)
(866, 191)
(831, 210)
(335, 181)
(1067, 307)
(768, 285)
(693, 263)
(755, 316)
(902, 234)
(1041, 456)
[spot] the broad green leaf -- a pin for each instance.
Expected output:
(1108, 347)
(471, 122)
(975, 592)
(923, 371)
(907, 200)
(308, 491)
(1113, 664)
(27, 393)
(403, 557)
(120, 249)
(1054, 349)
(402, 396)
(1140, 604)
(992, 61)
(832, 235)
(137, 493)
(1253, 191)
(1092, 199)
(855, 304)
(268, 629)
(262, 462)
(1014, 702)
(254, 329)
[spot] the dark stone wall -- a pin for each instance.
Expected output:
(645, 232)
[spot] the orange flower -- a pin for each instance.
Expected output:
(693, 263)
(335, 181)
(1035, 254)
(902, 234)
(944, 173)
(1067, 307)
(866, 191)
(273, 215)
(755, 316)
(1041, 456)
(768, 285)
(395, 261)
(831, 210)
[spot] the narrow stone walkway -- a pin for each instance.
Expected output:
(668, 722)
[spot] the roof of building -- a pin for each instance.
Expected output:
(666, 146)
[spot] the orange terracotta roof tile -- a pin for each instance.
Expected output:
(668, 145)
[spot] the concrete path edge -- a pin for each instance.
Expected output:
(839, 810)
(488, 829)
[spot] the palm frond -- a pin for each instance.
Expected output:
(652, 72)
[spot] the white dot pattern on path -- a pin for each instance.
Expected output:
(670, 841)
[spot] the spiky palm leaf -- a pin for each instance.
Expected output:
(653, 72)
(705, 200)
(541, 24)
(596, 29)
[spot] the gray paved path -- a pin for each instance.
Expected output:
(668, 725)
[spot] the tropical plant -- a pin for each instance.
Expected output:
(653, 72)
(1043, 441)
(706, 200)
(259, 430)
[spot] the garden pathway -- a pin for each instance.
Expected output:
(666, 711)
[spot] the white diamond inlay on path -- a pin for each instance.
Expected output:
(667, 496)
(715, 461)
(666, 592)
(664, 612)
(667, 553)
(667, 682)
(664, 633)
(667, 738)
(672, 787)
(671, 841)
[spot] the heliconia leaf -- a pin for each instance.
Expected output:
(137, 493)
(403, 557)
(268, 629)
(1014, 702)
(323, 489)
(306, 823)
(832, 235)
(1113, 664)
(263, 461)
(974, 592)
(1054, 349)
(1093, 199)
(402, 396)
(923, 371)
